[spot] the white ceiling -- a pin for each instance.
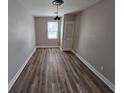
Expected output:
(45, 7)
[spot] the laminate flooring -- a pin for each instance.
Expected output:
(53, 71)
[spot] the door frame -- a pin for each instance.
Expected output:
(67, 22)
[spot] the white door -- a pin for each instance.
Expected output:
(68, 35)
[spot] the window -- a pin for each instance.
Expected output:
(52, 30)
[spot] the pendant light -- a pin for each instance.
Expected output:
(57, 3)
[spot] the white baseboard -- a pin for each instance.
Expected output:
(65, 49)
(47, 46)
(11, 83)
(96, 72)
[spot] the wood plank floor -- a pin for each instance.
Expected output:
(54, 71)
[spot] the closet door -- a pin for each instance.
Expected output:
(68, 35)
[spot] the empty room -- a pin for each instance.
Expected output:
(61, 46)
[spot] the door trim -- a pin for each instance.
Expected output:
(67, 22)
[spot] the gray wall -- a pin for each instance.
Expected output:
(94, 37)
(41, 32)
(69, 17)
(21, 36)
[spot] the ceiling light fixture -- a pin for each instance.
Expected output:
(57, 3)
